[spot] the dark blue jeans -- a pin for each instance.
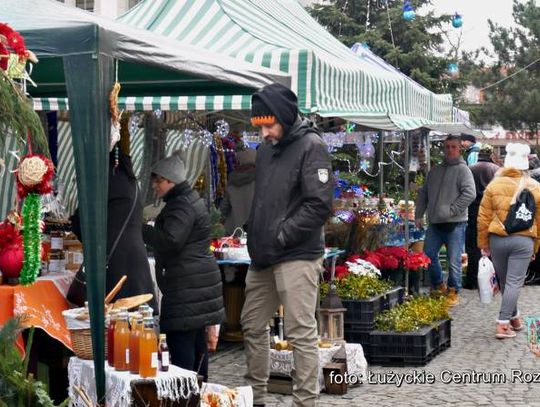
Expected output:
(189, 351)
(454, 241)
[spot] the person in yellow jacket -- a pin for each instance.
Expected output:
(512, 253)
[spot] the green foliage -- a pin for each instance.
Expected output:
(514, 102)
(217, 230)
(356, 287)
(418, 44)
(17, 114)
(17, 387)
(412, 315)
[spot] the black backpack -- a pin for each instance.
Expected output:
(521, 214)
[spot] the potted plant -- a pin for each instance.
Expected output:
(361, 291)
(412, 333)
(417, 264)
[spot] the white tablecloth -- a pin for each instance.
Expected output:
(174, 385)
(282, 361)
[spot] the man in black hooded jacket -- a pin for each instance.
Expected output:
(293, 199)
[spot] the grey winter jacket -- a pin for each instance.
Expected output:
(448, 191)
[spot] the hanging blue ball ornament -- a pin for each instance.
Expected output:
(409, 15)
(453, 69)
(408, 11)
(457, 21)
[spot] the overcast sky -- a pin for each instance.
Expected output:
(475, 19)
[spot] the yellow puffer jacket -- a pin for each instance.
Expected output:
(496, 204)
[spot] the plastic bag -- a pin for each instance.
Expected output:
(212, 337)
(487, 280)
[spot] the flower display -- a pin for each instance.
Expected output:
(416, 261)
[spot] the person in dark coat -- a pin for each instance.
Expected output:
(186, 270)
(483, 172)
(293, 200)
(236, 204)
(129, 257)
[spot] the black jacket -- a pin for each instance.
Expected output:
(293, 198)
(129, 257)
(186, 271)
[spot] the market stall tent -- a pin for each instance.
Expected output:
(328, 78)
(77, 52)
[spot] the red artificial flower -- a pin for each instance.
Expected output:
(393, 251)
(417, 261)
(373, 258)
(353, 257)
(341, 271)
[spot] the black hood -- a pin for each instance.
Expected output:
(299, 129)
(276, 100)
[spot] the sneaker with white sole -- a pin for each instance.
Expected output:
(504, 331)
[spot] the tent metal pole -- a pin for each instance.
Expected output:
(406, 193)
(380, 166)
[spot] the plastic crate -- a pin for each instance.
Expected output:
(363, 312)
(409, 348)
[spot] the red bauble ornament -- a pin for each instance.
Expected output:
(11, 261)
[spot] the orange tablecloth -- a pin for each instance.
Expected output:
(41, 304)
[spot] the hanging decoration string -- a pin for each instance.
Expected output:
(511, 75)
(34, 176)
(391, 32)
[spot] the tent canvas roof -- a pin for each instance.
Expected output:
(149, 63)
(328, 78)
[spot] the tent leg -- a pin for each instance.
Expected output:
(89, 79)
(406, 193)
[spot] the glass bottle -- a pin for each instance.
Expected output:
(148, 350)
(110, 337)
(134, 341)
(121, 341)
(163, 353)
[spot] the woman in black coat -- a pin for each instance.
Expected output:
(129, 257)
(186, 270)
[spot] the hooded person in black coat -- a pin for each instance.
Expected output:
(129, 257)
(293, 199)
(186, 270)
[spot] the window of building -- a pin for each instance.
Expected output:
(87, 5)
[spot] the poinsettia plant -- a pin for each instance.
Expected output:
(357, 279)
(10, 236)
(393, 258)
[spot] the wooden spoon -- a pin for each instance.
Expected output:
(115, 290)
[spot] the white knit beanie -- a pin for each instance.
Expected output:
(517, 156)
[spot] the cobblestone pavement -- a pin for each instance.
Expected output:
(474, 347)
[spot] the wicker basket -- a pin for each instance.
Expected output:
(81, 340)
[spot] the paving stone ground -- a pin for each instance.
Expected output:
(474, 348)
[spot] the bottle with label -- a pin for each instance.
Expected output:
(163, 353)
(121, 341)
(148, 350)
(110, 337)
(134, 342)
(57, 240)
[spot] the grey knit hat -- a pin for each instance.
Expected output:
(171, 168)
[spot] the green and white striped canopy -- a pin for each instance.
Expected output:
(165, 103)
(328, 78)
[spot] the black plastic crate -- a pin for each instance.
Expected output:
(394, 297)
(359, 326)
(363, 311)
(444, 333)
(363, 338)
(409, 348)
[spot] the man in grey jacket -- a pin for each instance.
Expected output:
(446, 195)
